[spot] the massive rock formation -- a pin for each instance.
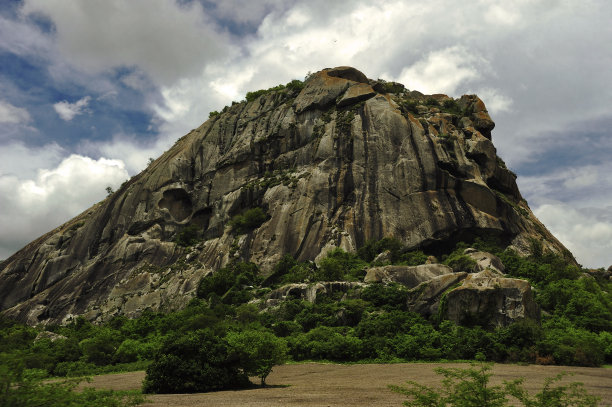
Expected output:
(340, 161)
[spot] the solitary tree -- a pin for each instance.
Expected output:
(258, 351)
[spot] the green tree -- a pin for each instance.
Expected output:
(101, 347)
(258, 351)
(193, 362)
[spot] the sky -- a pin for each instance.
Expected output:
(91, 90)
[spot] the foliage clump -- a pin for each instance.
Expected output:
(228, 285)
(189, 236)
(248, 220)
(198, 361)
(294, 86)
(21, 387)
(258, 351)
(470, 388)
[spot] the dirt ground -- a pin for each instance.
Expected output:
(323, 385)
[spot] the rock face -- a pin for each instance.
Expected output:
(486, 261)
(409, 276)
(310, 292)
(486, 298)
(332, 165)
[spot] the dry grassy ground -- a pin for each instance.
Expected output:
(314, 384)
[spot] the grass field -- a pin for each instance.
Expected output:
(317, 384)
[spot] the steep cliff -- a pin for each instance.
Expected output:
(333, 163)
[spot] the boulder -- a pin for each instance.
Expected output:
(382, 258)
(490, 300)
(324, 87)
(486, 261)
(355, 94)
(425, 298)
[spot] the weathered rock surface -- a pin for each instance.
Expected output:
(409, 276)
(52, 336)
(310, 292)
(488, 299)
(425, 298)
(486, 261)
(327, 176)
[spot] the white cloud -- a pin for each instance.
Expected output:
(12, 114)
(587, 233)
(135, 155)
(67, 111)
(33, 206)
(443, 71)
(21, 38)
(164, 38)
(20, 161)
(136, 80)
(502, 13)
(495, 100)
(588, 185)
(246, 11)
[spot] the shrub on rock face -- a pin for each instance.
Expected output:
(248, 220)
(193, 362)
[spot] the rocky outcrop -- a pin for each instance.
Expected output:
(486, 261)
(309, 292)
(425, 298)
(48, 335)
(408, 276)
(332, 165)
(490, 300)
(486, 297)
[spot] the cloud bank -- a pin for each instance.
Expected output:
(34, 206)
(542, 68)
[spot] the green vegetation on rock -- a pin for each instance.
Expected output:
(248, 220)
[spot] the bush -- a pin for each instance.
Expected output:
(251, 96)
(22, 388)
(470, 388)
(340, 265)
(451, 106)
(295, 85)
(229, 283)
(130, 350)
(372, 248)
(460, 262)
(193, 362)
(101, 347)
(188, 236)
(327, 343)
(569, 345)
(248, 220)
(381, 295)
